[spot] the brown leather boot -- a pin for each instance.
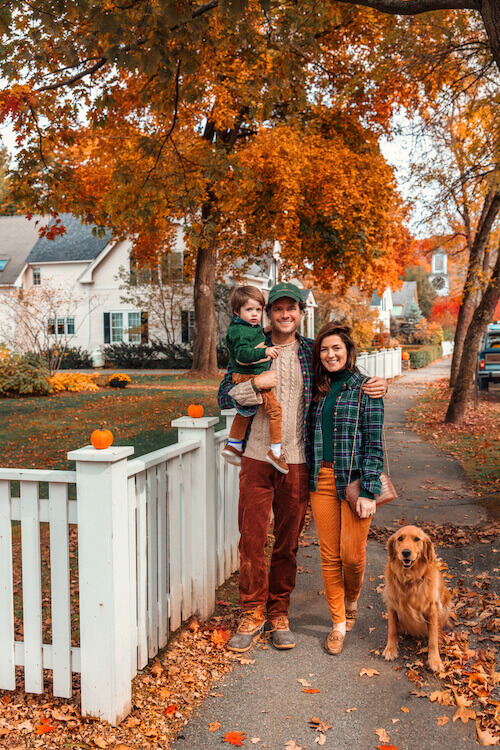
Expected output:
(251, 625)
(281, 634)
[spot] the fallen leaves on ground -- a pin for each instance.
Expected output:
(369, 672)
(320, 726)
(214, 726)
(382, 735)
(235, 738)
(442, 720)
(311, 690)
(44, 726)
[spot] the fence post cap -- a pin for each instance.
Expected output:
(228, 412)
(106, 455)
(200, 423)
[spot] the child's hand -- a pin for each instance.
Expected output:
(273, 351)
(267, 329)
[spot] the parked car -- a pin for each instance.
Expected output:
(488, 370)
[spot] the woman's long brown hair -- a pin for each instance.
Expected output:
(321, 375)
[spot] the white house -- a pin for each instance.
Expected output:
(82, 270)
(393, 304)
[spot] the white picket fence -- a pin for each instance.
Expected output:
(156, 536)
(384, 363)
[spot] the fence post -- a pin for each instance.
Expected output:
(203, 510)
(103, 559)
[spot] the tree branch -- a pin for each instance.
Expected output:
(415, 7)
(88, 72)
(171, 129)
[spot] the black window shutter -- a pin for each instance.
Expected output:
(185, 326)
(144, 328)
(107, 330)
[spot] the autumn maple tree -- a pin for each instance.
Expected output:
(245, 128)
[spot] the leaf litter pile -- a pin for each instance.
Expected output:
(164, 695)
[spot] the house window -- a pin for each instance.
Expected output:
(36, 277)
(3, 263)
(125, 327)
(187, 326)
(62, 326)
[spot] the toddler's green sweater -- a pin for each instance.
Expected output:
(245, 354)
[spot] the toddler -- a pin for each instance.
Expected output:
(250, 356)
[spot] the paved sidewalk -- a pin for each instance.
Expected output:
(264, 699)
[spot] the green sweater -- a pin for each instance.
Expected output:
(247, 347)
(337, 382)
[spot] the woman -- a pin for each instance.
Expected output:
(332, 419)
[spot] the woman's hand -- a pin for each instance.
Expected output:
(376, 387)
(365, 508)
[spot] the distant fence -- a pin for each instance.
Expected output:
(384, 363)
(156, 536)
(447, 347)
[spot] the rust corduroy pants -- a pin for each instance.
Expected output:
(342, 544)
(264, 489)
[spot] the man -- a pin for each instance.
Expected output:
(262, 488)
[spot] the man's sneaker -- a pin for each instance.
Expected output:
(232, 454)
(251, 625)
(281, 634)
(278, 463)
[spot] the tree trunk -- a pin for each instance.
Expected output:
(481, 318)
(205, 320)
(472, 284)
(490, 12)
(205, 327)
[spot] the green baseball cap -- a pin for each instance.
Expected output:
(284, 290)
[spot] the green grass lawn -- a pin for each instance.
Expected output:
(36, 433)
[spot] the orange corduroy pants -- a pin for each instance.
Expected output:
(342, 544)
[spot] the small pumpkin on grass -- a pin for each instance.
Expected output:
(101, 438)
(195, 411)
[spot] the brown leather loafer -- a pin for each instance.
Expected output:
(350, 618)
(334, 642)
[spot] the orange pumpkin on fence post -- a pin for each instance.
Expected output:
(101, 438)
(405, 356)
(195, 411)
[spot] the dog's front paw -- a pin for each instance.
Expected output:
(435, 663)
(390, 652)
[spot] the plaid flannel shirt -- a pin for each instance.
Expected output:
(368, 461)
(305, 357)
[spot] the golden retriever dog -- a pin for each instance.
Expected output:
(417, 599)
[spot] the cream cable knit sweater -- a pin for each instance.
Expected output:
(290, 394)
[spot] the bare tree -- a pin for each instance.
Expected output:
(42, 320)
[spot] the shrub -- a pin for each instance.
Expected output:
(129, 356)
(381, 340)
(23, 376)
(424, 356)
(118, 380)
(173, 356)
(74, 381)
(69, 358)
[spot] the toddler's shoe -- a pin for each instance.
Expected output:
(232, 454)
(279, 463)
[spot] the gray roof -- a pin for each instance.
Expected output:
(78, 243)
(17, 237)
(376, 300)
(405, 295)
